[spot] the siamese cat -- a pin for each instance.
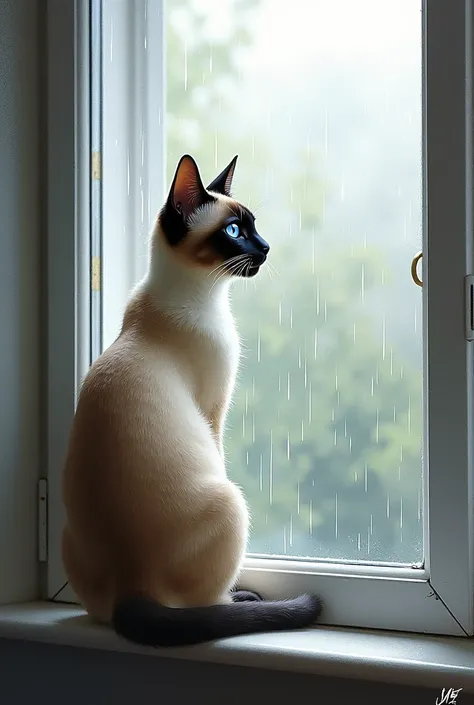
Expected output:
(156, 532)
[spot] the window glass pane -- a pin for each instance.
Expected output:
(322, 102)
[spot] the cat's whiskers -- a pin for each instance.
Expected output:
(268, 270)
(233, 262)
(223, 268)
(273, 268)
(272, 271)
(245, 267)
(237, 271)
(226, 263)
(229, 269)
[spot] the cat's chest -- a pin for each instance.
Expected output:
(214, 363)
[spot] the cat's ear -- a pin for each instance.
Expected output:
(187, 191)
(223, 182)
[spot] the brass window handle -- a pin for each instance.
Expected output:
(414, 266)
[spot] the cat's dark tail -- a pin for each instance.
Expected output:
(143, 621)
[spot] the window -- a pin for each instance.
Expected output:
(350, 429)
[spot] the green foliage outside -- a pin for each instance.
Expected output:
(324, 435)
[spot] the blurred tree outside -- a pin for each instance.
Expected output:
(324, 435)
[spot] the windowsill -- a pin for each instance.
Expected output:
(389, 657)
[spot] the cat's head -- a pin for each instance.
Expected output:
(206, 227)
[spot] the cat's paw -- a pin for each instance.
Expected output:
(246, 596)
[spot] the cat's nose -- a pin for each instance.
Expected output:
(261, 245)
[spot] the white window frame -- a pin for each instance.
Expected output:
(435, 598)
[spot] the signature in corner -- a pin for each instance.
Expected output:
(448, 696)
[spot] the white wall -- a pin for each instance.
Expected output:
(19, 299)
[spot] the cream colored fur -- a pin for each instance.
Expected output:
(149, 506)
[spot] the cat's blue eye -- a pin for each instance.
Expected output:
(233, 230)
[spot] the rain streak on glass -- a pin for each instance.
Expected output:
(325, 432)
